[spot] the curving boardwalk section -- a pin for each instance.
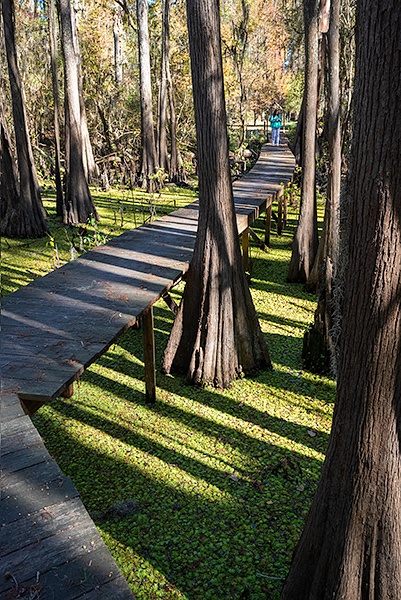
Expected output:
(51, 330)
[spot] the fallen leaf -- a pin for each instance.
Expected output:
(312, 433)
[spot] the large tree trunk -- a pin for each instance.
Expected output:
(149, 157)
(9, 185)
(23, 215)
(90, 167)
(325, 268)
(305, 242)
(216, 334)
(351, 544)
(79, 205)
(56, 98)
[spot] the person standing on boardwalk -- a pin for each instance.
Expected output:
(275, 123)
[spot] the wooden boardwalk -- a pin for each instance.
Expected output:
(54, 328)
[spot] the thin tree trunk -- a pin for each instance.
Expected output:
(216, 334)
(79, 205)
(305, 242)
(24, 216)
(149, 156)
(162, 137)
(351, 544)
(56, 99)
(319, 349)
(118, 47)
(177, 171)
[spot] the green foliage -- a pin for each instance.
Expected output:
(25, 260)
(223, 479)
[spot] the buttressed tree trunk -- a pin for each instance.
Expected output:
(319, 350)
(351, 544)
(149, 157)
(216, 334)
(23, 215)
(79, 205)
(305, 242)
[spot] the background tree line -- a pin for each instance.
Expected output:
(106, 91)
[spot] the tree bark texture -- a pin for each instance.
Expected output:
(56, 99)
(90, 167)
(118, 47)
(177, 171)
(162, 120)
(216, 334)
(24, 216)
(9, 185)
(79, 205)
(351, 544)
(305, 242)
(325, 268)
(149, 156)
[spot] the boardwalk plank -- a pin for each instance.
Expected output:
(89, 573)
(19, 441)
(42, 524)
(14, 426)
(18, 483)
(26, 457)
(15, 507)
(51, 552)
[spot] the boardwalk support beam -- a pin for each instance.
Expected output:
(257, 239)
(245, 247)
(268, 224)
(149, 355)
(173, 306)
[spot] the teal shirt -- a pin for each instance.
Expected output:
(275, 122)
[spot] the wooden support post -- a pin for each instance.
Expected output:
(173, 306)
(279, 227)
(68, 392)
(285, 210)
(245, 247)
(268, 224)
(149, 355)
(257, 239)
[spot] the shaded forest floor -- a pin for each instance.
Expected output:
(219, 481)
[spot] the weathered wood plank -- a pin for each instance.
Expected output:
(94, 572)
(42, 524)
(27, 457)
(15, 425)
(18, 483)
(14, 507)
(51, 552)
(19, 441)
(11, 412)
